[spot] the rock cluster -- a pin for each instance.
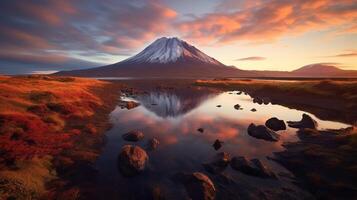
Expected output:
(262, 132)
(305, 122)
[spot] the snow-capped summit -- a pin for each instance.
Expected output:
(170, 50)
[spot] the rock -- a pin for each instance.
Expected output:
(157, 193)
(237, 107)
(153, 143)
(218, 163)
(251, 167)
(258, 100)
(217, 144)
(305, 122)
(200, 130)
(253, 110)
(132, 160)
(266, 100)
(265, 172)
(218, 106)
(198, 186)
(133, 136)
(262, 132)
(239, 93)
(275, 124)
(128, 104)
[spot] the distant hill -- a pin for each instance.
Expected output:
(319, 70)
(323, 70)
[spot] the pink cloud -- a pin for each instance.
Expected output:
(270, 20)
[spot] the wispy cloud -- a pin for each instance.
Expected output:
(350, 53)
(265, 21)
(252, 58)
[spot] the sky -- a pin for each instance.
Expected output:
(44, 36)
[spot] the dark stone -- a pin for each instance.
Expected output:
(275, 124)
(198, 186)
(239, 93)
(133, 136)
(305, 122)
(253, 110)
(217, 144)
(237, 107)
(262, 132)
(218, 163)
(132, 160)
(200, 130)
(218, 106)
(251, 167)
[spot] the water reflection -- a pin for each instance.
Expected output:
(170, 104)
(173, 118)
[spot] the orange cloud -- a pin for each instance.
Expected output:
(270, 20)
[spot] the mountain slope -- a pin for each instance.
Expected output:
(165, 57)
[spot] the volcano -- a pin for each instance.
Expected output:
(164, 58)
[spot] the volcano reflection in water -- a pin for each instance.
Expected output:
(169, 104)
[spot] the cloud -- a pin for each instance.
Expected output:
(252, 58)
(265, 21)
(351, 53)
(55, 31)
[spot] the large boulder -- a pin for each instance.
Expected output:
(198, 185)
(275, 124)
(133, 136)
(262, 132)
(251, 167)
(132, 160)
(219, 162)
(305, 122)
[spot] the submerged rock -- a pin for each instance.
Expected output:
(262, 132)
(217, 144)
(218, 163)
(198, 186)
(238, 107)
(275, 124)
(251, 167)
(153, 143)
(133, 136)
(132, 160)
(200, 130)
(305, 122)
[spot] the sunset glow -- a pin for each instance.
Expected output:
(253, 35)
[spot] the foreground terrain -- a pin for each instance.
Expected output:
(323, 160)
(49, 128)
(51, 133)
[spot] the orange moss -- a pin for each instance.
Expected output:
(33, 111)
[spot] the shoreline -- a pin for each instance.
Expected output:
(328, 100)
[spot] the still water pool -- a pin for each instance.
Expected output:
(173, 118)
